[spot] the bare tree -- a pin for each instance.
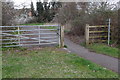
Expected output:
(7, 12)
(11, 11)
(67, 13)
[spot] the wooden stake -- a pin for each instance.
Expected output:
(87, 33)
(59, 30)
(39, 34)
(109, 32)
(62, 36)
(19, 35)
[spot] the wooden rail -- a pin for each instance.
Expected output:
(95, 34)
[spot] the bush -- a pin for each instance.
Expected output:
(77, 27)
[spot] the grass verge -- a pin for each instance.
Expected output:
(50, 63)
(46, 27)
(103, 49)
(33, 24)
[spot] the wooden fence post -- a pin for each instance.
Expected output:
(59, 33)
(109, 32)
(39, 34)
(62, 36)
(19, 35)
(87, 33)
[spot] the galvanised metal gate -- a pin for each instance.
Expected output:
(13, 36)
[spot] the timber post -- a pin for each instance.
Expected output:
(62, 36)
(87, 33)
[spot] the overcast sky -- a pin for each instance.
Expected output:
(27, 2)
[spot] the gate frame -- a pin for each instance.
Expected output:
(60, 33)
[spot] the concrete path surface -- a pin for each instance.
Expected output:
(103, 60)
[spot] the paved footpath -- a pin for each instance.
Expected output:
(103, 60)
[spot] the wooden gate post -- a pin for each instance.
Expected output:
(59, 34)
(39, 34)
(109, 32)
(62, 36)
(19, 35)
(87, 34)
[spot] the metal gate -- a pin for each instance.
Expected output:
(13, 36)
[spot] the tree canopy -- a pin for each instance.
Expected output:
(47, 10)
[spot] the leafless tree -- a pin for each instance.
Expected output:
(7, 12)
(11, 11)
(66, 13)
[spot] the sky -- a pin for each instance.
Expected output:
(24, 2)
(28, 2)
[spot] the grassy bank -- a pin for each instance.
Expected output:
(103, 49)
(50, 63)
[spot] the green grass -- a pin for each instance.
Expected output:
(46, 27)
(33, 24)
(51, 27)
(66, 31)
(104, 49)
(50, 63)
(0, 64)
